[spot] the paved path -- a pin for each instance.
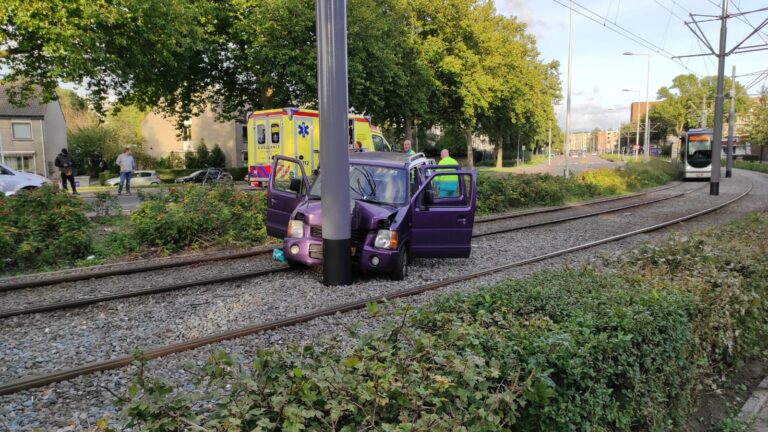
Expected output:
(755, 410)
(575, 165)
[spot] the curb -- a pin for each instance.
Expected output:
(755, 410)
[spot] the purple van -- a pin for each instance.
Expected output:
(403, 207)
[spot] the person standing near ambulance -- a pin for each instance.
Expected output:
(127, 164)
(447, 185)
(407, 147)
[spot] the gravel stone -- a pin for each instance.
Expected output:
(40, 343)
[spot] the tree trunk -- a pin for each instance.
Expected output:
(470, 155)
(409, 128)
(500, 152)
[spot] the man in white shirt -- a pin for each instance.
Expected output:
(127, 165)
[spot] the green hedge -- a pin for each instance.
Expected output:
(563, 350)
(752, 166)
(41, 229)
(497, 193)
(193, 215)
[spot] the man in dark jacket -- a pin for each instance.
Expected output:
(65, 165)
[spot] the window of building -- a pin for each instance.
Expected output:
(245, 155)
(22, 131)
(25, 163)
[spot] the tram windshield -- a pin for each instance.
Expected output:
(699, 151)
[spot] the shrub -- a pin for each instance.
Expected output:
(42, 228)
(562, 350)
(753, 166)
(198, 216)
(498, 193)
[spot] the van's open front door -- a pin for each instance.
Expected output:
(288, 186)
(444, 214)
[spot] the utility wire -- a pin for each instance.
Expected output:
(597, 18)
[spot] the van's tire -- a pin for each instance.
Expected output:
(400, 271)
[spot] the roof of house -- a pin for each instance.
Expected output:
(33, 108)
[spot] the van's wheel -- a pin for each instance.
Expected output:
(400, 271)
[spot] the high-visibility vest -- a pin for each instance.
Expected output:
(447, 178)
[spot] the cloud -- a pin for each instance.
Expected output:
(523, 12)
(589, 115)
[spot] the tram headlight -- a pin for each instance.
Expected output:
(295, 228)
(386, 239)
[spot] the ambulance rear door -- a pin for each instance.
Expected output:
(305, 134)
(268, 142)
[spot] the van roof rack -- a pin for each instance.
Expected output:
(416, 156)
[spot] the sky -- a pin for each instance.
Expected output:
(600, 71)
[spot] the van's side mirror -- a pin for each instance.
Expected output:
(295, 185)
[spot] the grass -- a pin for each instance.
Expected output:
(752, 166)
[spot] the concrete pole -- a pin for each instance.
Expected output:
(637, 134)
(731, 127)
(714, 185)
(566, 146)
(334, 154)
(703, 121)
(549, 147)
(647, 142)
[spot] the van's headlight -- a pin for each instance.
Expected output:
(386, 239)
(295, 228)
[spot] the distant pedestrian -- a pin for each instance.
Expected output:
(65, 164)
(407, 147)
(447, 185)
(127, 165)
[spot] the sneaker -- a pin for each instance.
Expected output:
(127, 193)
(75, 193)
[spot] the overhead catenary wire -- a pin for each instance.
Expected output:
(622, 31)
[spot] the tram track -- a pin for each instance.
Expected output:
(35, 381)
(87, 301)
(118, 269)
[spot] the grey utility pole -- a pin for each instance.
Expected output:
(739, 48)
(549, 146)
(703, 121)
(566, 146)
(334, 153)
(731, 127)
(714, 185)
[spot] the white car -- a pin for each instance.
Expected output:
(12, 181)
(138, 178)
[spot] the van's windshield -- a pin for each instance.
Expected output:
(372, 183)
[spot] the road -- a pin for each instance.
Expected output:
(575, 165)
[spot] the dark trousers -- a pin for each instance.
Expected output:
(71, 179)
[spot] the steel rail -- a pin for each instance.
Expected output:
(35, 381)
(123, 295)
(103, 271)
(503, 216)
(582, 216)
(74, 277)
(50, 307)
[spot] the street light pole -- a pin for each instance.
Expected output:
(637, 134)
(647, 139)
(549, 147)
(566, 145)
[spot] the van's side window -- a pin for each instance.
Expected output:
(275, 129)
(261, 134)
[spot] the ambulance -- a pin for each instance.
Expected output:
(295, 133)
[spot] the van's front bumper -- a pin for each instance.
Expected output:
(309, 251)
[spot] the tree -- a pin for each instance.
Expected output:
(758, 128)
(217, 157)
(89, 145)
(681, 107)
